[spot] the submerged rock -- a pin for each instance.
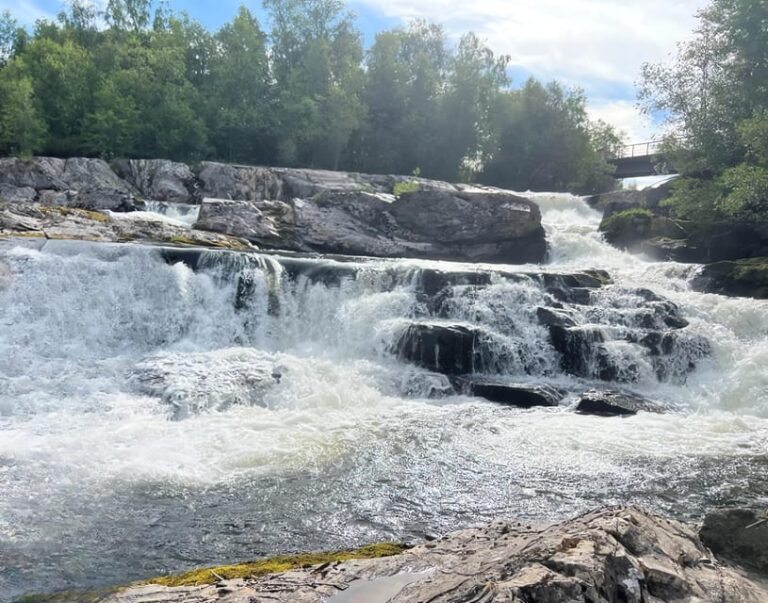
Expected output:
(615, 403)
(739, 535)
(193, 383)
(611, 556)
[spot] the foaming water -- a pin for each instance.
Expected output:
(157, 414)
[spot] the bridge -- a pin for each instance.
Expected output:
(639, 159)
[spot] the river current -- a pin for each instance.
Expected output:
(139, 434)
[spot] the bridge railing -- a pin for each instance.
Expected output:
(639, 149)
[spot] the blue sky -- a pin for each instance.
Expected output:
(598, 45)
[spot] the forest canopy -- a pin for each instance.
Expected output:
(138, 80)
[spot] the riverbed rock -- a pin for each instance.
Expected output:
(728, 534)
(739, 278)
(450, 349)
(624, 555)
(521, 395)
(160, 179)
(607, 402)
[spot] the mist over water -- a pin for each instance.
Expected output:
(154, 417)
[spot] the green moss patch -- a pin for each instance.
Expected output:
(274, 565)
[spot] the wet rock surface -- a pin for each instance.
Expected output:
(608, 402)
(739, 535)
(612, 556)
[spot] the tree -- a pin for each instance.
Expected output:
(316, 56)
(715, 95)
(547, 142)
(22, 130)
(239, 91)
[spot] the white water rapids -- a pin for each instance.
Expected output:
(103, 481)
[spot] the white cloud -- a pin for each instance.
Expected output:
(624, 115)
(594, 44)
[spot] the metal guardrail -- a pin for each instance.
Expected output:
(639, 149)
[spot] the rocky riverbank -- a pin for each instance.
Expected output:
(289, 209)
(736, 255)
(625, 555)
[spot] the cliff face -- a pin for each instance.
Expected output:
(611, 556)
(292, 209)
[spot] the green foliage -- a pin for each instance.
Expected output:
(716, 97)
(22, 131)
(153, 83)
(546, 142)
(405, 186)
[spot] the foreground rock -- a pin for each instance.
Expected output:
(611, 556)
(32, 220)
(746, 278)
(739, 535)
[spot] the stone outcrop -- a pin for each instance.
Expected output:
(160, 179)
(454, 225)
(297, 209)
(610, 556)
(33, 220)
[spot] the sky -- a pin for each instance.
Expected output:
(597, 45)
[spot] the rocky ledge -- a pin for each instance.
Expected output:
(611, 556)
(297, 210)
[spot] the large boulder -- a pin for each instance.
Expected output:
(610, 556)
(739, 535)
(489, 227)
(159, 179)
(739, 278)
(476, 226)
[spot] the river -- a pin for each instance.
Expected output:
(104, 480)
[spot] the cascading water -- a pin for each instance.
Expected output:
(162, 409)
(183, 213)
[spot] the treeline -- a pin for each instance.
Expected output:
(138, 80)
(716, 96)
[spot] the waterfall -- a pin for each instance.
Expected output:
(272, 401)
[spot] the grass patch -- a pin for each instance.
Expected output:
(406, 186)
(274, 565)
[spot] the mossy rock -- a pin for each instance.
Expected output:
(739, 278)
(275, 565)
